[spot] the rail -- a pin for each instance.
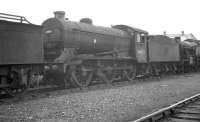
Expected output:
(166, 111)
(20, 19)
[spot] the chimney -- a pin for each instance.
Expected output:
(182, 32)
(59, 15)
(164, 33)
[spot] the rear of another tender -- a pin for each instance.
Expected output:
(164, 53)
(21, 51)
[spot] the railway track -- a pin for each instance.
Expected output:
(45, 92)
(187, 110)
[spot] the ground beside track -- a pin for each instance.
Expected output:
(105, 105)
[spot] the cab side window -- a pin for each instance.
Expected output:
(141, 38)
(138, 38)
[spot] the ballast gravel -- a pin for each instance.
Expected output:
(114, 104)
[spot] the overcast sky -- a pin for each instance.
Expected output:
(154, 16)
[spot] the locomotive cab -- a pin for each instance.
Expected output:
(141, 47)
(138, 43)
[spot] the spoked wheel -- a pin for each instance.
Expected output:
(107, 75)
(130, 74)
(112, 75)
(82, 76)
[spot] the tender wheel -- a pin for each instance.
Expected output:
(14, 79)
(82, 76)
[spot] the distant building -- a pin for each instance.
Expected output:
(182, 36)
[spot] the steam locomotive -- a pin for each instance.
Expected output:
(65, 53)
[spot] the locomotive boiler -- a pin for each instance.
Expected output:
(64, 35)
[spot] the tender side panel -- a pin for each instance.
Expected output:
(20, 43)
(163, 49)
